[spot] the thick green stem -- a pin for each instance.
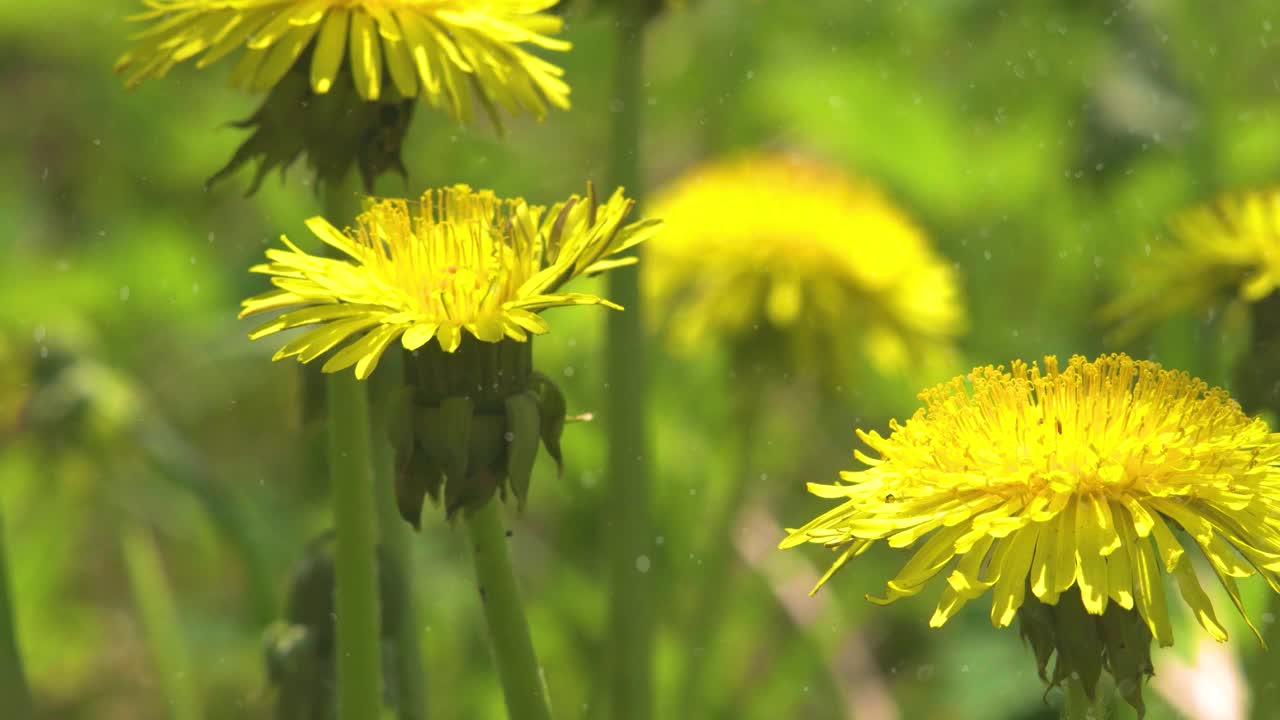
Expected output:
(1076, 704)
(523, 686)
(628, 522)
(356, 573)
(357, 631)
(397, 547)
(14, 693)
(159, 616)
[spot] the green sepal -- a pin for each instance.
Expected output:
(1079, 647)
(1128, 641)
(551, 409)
(488, 446)
(524, 428)
(1036, 625)
(334, 132)
(417, 478)
(450, 440)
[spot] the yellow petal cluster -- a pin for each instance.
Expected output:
(457, 261)
(1102, 475)
(1231, 244)
(774, 240)
(448, 52)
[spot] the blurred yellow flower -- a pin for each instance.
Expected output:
(442, 50)
(1231, 244)
(823, 258)
(1061, 479)
(457, 261)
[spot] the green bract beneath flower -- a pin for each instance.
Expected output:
(457, 261)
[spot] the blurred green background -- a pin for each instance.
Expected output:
(1040, 143)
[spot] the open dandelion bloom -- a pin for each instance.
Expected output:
(824, 259)
(1070, 484)
(1229, 246)
(458, 262)
(444, 51)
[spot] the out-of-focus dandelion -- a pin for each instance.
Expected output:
(343, 74)
(1070, 483)
(458, 279)
(1228, 247)
(823, 260)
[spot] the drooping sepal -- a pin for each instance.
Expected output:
(478, 415)
(334, 132)
(523, 432)
(448, 436)
(1084, 645)
(552, 410)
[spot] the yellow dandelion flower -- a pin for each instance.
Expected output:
(1063, 492)
(458, 262)
(1229, 245)
(823, 258)
(447, 52)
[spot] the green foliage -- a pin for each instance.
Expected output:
(1039, 143)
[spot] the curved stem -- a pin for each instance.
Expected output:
(14, 693)
(628, 522)
(521, 676)
(356, 574)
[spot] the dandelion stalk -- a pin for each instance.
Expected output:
(14, 693)
(355, 530)
(159, 617)
(397, 549)
(359, 660)
(629, 523)
(521, 676)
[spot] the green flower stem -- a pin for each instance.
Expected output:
(713, 582)
(159, 616)
(357, 632)
(521, 676)
(14, 693)
(355, 570)
(1076, 704)
(628, 521)
(397, 545)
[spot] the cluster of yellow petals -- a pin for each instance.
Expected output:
(445, 51)
(824, 258)
(1231, 244)
(1081, 476)
(458, 261)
